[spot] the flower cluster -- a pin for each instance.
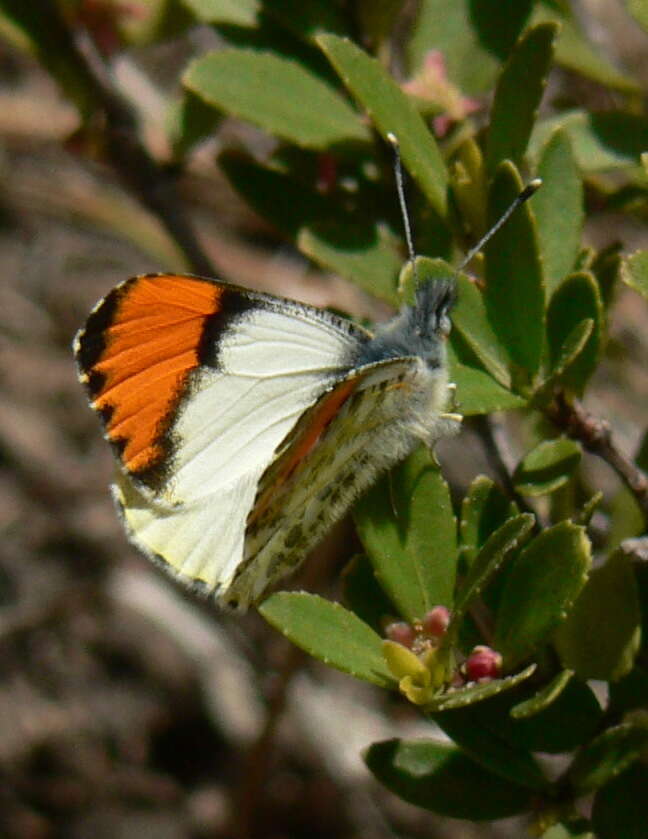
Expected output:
(419, 657)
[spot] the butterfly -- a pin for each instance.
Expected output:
(245, 424)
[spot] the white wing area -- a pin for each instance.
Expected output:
(271, 367)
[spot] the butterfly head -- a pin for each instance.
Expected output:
(429, 291)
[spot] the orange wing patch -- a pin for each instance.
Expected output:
(316, 422)
(137, 352)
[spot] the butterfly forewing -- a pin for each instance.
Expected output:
(197, 384)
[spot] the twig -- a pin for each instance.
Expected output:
(496, 450)
(147, 180)
(595, 436)
(257, 763)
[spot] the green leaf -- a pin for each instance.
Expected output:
(572, 718)
(608, 755)
(547, 467)
(514, 292)
(476, 692)
(495, 550)
(567, 719)
(439, 777)
(472, 37)
(484, 509)
(365, 254)
(601, 141)
(639, 10)
(238, 12)
(277, 94)
(576, 53)
(189, 120)
(600, 638)
(486, 747)
(408, 529)
(284, 200)
(634, 272)
(363, 594)
(576, 300)
(543, 698)
(544, 581)
(621, 807)
(574, 344)
(391, 111)
(558, 209)
(606, 267)
(517, 96)
(470, 319)
(329, 632)
(477, 392)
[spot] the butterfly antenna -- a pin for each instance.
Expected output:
(398, 174)
(532, 187)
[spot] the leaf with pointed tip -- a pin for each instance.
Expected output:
(573, 717)
(575, 300)
(543, 698)
(634, 272)
(573, 346)
(483, 510)
(329, 632)
(279, 95)
(476, 692)
(600, 638)
(470, 319)
(543, 583)
(514, 293)
(558, 209)
(391, 111)
(497, 547)
(517, 96)
(547, 467)
(408, 529)
(439, 777)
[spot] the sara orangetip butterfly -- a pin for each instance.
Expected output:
(246, 424)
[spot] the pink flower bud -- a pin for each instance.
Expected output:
(435, 623)
(483, 663)
(401, 633)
